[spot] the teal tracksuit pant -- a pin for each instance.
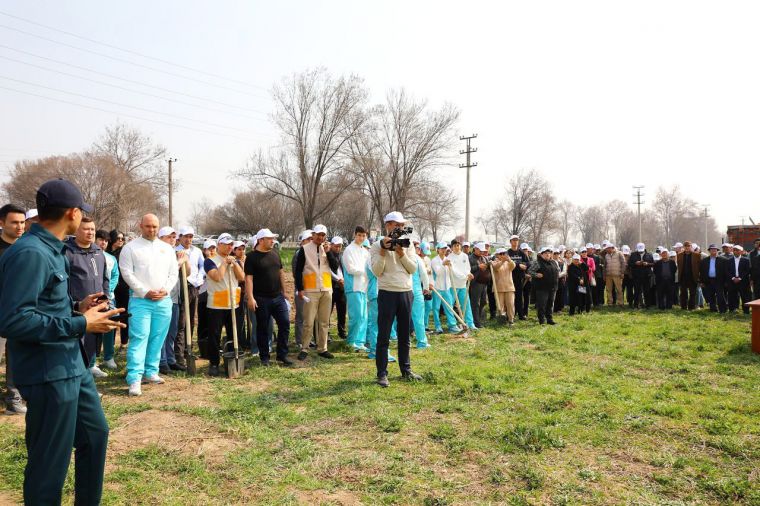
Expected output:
(418, 319)
(148, 326)
(464, 299)
(358, 318)
(450, 318)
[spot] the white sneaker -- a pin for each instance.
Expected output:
(135, 389)
(97, 373)
(154, 380)
(109, 364)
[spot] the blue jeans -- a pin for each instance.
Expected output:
(268, 308)
(147, 332)
(167, 351)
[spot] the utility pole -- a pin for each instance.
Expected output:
(639, 203)
(171, 190)
(705, 217)
(468, 166)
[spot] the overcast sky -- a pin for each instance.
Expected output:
(599, 96)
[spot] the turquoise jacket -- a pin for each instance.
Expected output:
(372, 289)
(36, 311)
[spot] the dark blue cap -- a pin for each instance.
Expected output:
(61, 193)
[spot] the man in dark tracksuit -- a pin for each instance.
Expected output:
(37, 317)
(522, 262)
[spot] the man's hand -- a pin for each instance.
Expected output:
(90, 301)
(300, 295)
(425, 292)
(98, 320)
(341, 282)
(447, 262)
(581, 281)
(252, 304)
(482, 267)
(155, 294)
(470, 277)
(539, 275)
(399, 251)
(523, 267)
(229, 260)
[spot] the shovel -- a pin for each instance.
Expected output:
(189, 357)
(234, 363)
(464, 332)
(495, 292)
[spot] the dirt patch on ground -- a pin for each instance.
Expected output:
(339, 497)
(176, 392)
(14, 420)
(175, 432)
(6, 499)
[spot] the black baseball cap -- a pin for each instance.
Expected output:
(61, 193)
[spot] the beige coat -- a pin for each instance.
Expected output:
(503, 275)
(614, 264)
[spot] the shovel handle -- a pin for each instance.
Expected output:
(186, 304)
(448, 306)
(493, 284)
(231, 287)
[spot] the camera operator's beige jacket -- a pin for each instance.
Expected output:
(394, 273)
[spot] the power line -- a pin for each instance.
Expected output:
(126, 115)
(87, 39)
(122, 60)
(126, 105)
(86, 69)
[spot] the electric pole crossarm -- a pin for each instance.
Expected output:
(468, 165)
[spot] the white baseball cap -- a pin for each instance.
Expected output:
(337, 240)
(513, 237)
(672, 253)
(678, 245)
(739, 247)
(589, 245)
(306, 234)
(524, 246)
(186, 231)
(640, 247)
(576, 256)
(209, 243)
(501, 251)
(597, 246)
(319, 229)
(31, 213)
(237, 244)
(164, 231)
(225, 239)
(480, 245)
(395, 216)
(466, 243)
(727, 244)
(626, 249)
(265, 233)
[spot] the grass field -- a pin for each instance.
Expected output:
(609, 408)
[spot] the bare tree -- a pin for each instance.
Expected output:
(523, 193)
(316, 115)
(589, 221)
(542, 218)
(436, 211)
(398, 149)
(565, 214)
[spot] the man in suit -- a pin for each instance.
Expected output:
(754, 260)
(641, 263)
(712, 277)
(688, 276)
(738, 279)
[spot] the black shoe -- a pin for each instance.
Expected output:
(411, 376)
(265, 363)
(551, 322)
(213, 370)
(326, 354)
(302, 355)
(164, 369)
(177, 367)
(285, 361)
(383, 381)
(541, 322)
(439, 332)
(522, 318)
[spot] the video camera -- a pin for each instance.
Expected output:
(396, 238)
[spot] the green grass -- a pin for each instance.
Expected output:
(608, 408)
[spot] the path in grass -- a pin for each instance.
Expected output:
(608, 408)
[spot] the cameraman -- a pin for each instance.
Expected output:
(393, 267)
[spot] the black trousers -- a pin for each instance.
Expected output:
(62, 415)
(559, 298)
(121, 298)
(688, 289)
(217, 318)
(390, 306)
(628, 289)
(641, 296)
(339, 302)
(736, 291)
(665, 294)
(478, 299)
(545, 304)
(713, 292)
(577, 300)
(180, 343)
(491, 302)
(599, 292)
(202, 330)
(519, 289)
(527, 289)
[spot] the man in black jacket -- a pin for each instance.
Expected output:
(738, 279)
(754, 260)
(545, 275)
(87, 276)
(665, 277)
(712, 276)
(641, 263)
(522, 262)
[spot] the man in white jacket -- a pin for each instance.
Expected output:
(355, 260)
(460, 274)
(442, 284)
(149, 267)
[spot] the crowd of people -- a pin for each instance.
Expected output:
(67, 288)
